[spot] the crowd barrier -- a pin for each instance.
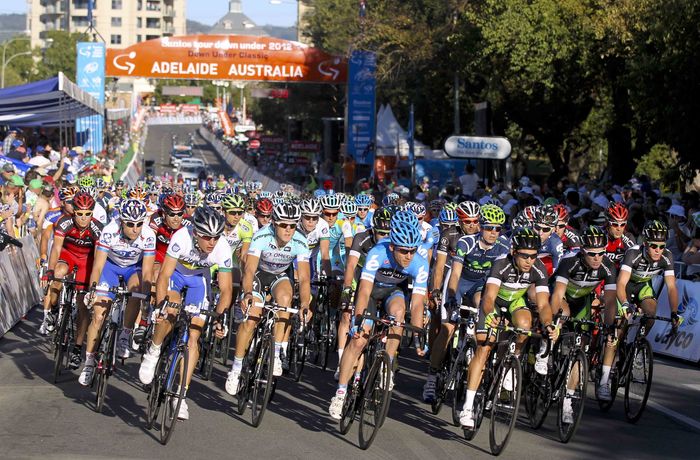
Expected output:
(245, 171)
(133, 172)
(686, 344)
(19, 282)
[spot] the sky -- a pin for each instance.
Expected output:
(209, 11)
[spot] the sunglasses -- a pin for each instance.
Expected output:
(208, 237)
(217, 208)
(83, 214)
(263, 216)
(191, 207)
(134, 224)
(618, 224)
(469, 221)
(491, 228)
(526, 256)
(235, 213)
(330, 214)
(310, 217)
(175, 214)
(406, 251)
(286, 226)
(381, 233)
(362, 209)
(656, 246)
(595, 253)
(542, 229)
(561, 225)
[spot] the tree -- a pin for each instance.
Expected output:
(19, 69)
(59, 56)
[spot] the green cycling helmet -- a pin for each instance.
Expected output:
(86, 181)
(492, 214)
(233, 201)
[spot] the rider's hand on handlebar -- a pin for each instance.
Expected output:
(553, 332)
(492, 320)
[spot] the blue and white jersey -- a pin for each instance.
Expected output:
(337, 234)
(382, 269)
(367, 221)
(191, 260)
(123, 252)
(275, 259)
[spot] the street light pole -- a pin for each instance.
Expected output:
(4, 63)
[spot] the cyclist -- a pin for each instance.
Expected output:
(429, 234)
(469, 215)
(316, 231)
(639, 265)
(566, 233)
(472, 261)
(75, 237)
(267, 270)
(504, 297)
(191, 253)
(191, 203)
(389, 267)
(616, 223)
(263, 213)
(364, 209)
(126, 248)
(545, 220)
(238, 231)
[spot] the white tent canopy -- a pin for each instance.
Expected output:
(392, 139)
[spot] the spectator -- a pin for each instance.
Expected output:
(469, 180)
(679, 233)
(9, 139)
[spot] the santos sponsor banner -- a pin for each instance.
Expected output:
(486, 148)
(226, 57)
(686, 344)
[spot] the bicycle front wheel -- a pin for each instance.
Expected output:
(61, 341)
(573, 401)
(104, 366)
(505, 404)
(262, 379)
(174, 395)
(155, 393)
(638, 381)
(375, 399)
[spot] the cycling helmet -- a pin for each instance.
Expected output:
(90, 190)
(330, 202)
(207, 221)
(468, 210)
(286, 212)
(83, 200)
(381, 220)
(277, 200)
(530, 212)
(172, 203)
(137, 193)
(212, 199)
(551, 201)
(119, 183)
(562, 212)
(521, 220)
(406, 217)
(391, 198)
(417, 208)
(436, 206)
(319, 193)
(311, 207)
(86, 181)
(546, 215)
(264, 206)
(100, 183)
(363, 201)
(265, 194)
(132, 210)
(492, 214)
(617, 212)
(233, 201)
(448, 216)
(593, 237)
(405, 234)
(154, 190)
(349, 209)
(526, 238)
(654, 230)
(279, 193)
(191, 199)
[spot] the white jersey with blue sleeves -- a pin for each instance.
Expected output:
(123, 252)
(275, 259)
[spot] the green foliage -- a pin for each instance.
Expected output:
(661, 165)
(58, 56)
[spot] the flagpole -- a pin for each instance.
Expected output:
(411, 147)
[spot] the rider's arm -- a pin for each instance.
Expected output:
(558, 294)
(44, 241)
(167, 268)
(244, 253)
(304, 273)
(455, 274)
(439, 270)
(544, 309)
(670, 280)
(350, 265)
(362, 296)
(97, 265)
(623, 278)
(55, 251)
(147, 276)
(251, 266)
(488, 298)
(225, 279)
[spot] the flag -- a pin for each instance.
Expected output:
(90, 7)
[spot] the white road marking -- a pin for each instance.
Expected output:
(675, 415)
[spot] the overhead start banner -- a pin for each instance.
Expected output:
(226, 57)
(90, 76)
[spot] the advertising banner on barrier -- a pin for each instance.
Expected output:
(90, 76)
(686, 344)
(19, 282)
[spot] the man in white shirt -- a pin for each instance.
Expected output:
(469, 180)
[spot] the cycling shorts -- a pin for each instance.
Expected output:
(637, 292)
(264, 283)
(109, 277)
(382, 296)
(465, 288)
(580, 308)
(84, 265)
(197, 288)
(503, 309)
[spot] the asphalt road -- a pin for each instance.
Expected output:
(159, 145)
(40, 419)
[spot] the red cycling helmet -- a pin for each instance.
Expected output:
(563, 212)
(264, 206)
(173, 203)
(83, 201)
(617, 212)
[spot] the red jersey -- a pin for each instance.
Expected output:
(616, 248)
(80, 243)
(163, 234)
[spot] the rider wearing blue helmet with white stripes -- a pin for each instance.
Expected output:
(364, 209)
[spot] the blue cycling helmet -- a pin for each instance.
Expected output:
(391, 198)
(363, 201)
(406, 217)
(319, 193)
(404, 234)
(448, 216)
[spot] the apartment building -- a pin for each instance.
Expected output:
(120, 22)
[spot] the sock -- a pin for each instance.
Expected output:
(469, 402)
(284, 347)
(46, 314)
(570, 392)
(278, 347)
(357, 375)
(89, 358)
(340, 355)
(341, 389)
(543, 348)
(606, 375)
(237, 364)
(154, 349)
(391, 360)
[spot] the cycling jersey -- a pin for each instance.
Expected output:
(477, 261)
(79, 242)
(275, 259)
(580, 279)
(163, 235)
(100, 214)
(361, 245)
(123, 252)
(192, 261)
(616, 248)
(570, 239)
(250, 218)
(313, 240)
(382, 269)
(447, 243)
(512, 283)
(551, 252)
(337, 233)
(641, 268)
(241, 233)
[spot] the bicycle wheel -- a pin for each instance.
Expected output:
(443, 381)
(174, 394)
(324, 337)
(505, 404)
(375, 399)
(262, 379)
(460, 383)
(209, 357)
(244, 385)
(638, 381)
(155, 392)
(349, 408)
(62, 342)
(577, 371)
(538, 397)
(104, 366)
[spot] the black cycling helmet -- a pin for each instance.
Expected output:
(593, 237)
(655, 230)
(207, 221)
(526, 238)
(381, 220)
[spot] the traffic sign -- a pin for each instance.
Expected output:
(484, 148)
(254, 144)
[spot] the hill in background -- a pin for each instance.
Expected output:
(11, 25)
